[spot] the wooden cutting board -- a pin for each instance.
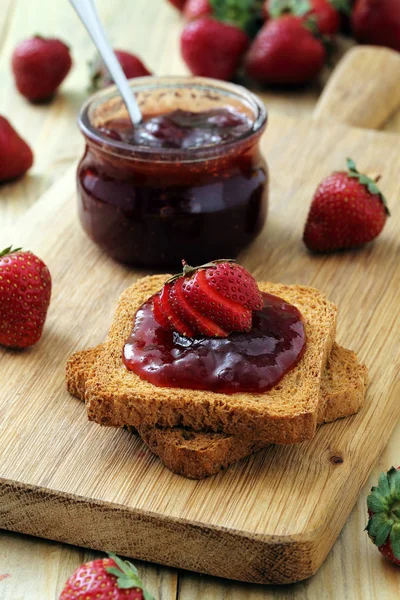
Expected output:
(273, 517)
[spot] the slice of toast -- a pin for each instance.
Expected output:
(286, 414)
(198, 454)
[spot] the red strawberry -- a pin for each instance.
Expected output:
(212, 300)
(16, 157)
(39, 66)
(326, 12)
(25, 290)
(285, 52)
(105, 579)
(179, 4)
(131, 65)
(347, 211)
(182, 305)
(212, 48)
(194, 9)
(377, 22)
(174, 321)
(384, 515)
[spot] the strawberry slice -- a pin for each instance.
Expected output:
(235, 283)
(223, 311)
(212, 300)
(187, 312)
(159, 314)
(175, 322)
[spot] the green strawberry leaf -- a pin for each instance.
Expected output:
(394, 483)
(395, 540)
(383, 532)
(126, 583)
(245, 14)
(343, 6)
(379, 527)
(377, 503)
(277, 8)
(369, 183)
(126, 567)
(351, 165)
(9, 250)
(127, 575)
(383, 484)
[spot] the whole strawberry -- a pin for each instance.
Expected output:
(25, 292)
(377, 22)
(16, 157)
(131, 65)
(212, 300)
(347, 211)
(194, 9)
(384, 515)
(285, 51)
(325, 12)
(211, 48)
(105, 579)
(40, 65)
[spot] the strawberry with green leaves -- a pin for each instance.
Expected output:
(347, 211)
(25, 290)
(325, 12)
(105, 579)
(218, 34)
(286, 51)
(384, 515)
(212, 300)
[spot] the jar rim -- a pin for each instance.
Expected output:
(150, 83)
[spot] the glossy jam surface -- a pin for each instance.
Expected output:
(244, 362)
(181, 129)
(153, 211)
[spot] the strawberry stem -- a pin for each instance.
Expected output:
(127, 576)
(368, 182)
(9, 250)
(188, 270)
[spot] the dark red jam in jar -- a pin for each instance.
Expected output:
(189, 181)
(254, 361)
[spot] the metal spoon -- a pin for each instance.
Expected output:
(87, 13)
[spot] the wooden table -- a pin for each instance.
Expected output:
(37, 569)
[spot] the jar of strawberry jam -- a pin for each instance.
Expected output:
(188, 182)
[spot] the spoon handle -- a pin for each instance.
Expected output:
(87, 12)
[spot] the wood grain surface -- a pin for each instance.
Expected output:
(269, 519)
(39, 568)
(364, 90)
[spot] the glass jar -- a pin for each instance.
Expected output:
(151, 207)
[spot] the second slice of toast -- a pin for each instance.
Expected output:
(198, 454)
(286, 414)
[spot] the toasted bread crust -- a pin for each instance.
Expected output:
(198, 454)
(286, 414)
